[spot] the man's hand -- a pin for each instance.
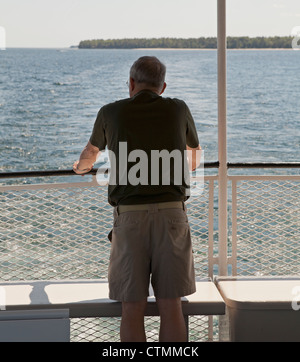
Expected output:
(87, 159)
(79, 171)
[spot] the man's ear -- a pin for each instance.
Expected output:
(131, 86)
(132, 83)
(163, 88)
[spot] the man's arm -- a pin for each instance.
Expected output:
(87, 159)
(194, 157)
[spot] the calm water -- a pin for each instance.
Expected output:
(49, 100)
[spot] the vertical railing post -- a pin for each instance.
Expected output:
(222, 137)
(222, 144)
(234, 227)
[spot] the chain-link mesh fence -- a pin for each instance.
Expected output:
(268, 227)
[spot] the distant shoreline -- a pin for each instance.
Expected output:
(189, 49)
(146, 49)
(245, 42)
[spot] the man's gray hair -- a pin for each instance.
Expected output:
(150, 71)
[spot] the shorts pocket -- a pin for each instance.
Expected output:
(179, 231)
(179, 221)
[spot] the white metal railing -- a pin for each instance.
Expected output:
(59, 231)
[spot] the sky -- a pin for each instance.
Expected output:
(62, 23)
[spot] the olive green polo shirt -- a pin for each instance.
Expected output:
(143, 134)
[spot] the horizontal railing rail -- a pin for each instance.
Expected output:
(263, 165)
(207, 165)
(47, 173)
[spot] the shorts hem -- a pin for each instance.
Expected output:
(126, 299)
(175, 295)
(156, 295)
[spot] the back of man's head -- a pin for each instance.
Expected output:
(150, 71)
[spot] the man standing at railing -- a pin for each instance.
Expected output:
(147, 137)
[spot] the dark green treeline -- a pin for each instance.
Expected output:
(191, 43)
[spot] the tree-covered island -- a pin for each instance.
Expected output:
(244, 42)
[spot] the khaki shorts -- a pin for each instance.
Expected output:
(153, 243)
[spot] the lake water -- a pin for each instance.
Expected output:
(49, 99)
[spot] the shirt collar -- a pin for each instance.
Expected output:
(148, 91)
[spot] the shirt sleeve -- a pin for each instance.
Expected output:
(98, 137)
(192, 139)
